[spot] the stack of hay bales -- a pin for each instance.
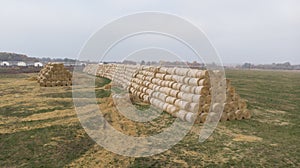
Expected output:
(234, 107)
(170, 89)
(182, 92)
(54, 74)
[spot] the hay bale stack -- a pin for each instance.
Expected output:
(54, 74)
(188, 94)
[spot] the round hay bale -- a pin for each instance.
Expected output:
(177, 86)
(196, 98)
(165, 106)
(246, 114)
(205, 108)
(155, 102)
(170, 84)
(193, 107)
(181, 115)
(203, 117)
(156, 88)
(202, 74)
(170, 70)
(181, 71)
(179, 79)
(186, 80)
(160, 76)
(149, 79)
(141, 95)
(212, 117)
(151, 86)
(144, 89)
(43, 84)
(194, 81)
(217, 107)
(58, 83)
(164, 83)
(168, 77)
(163, 70)
(170, 100)
(174, 93)
(203, 82)
(192, 73)
(172, 109)
(162, 96)
(160, 82)
(201, 90)
(180, 95)
(146, 99)
(227, 107)
(242, 105)
(208, 99)
(182, 104)
(231, 116)
(239, 114)
(148, 91)
(186, 88)
(167, 91)
(190, 117)
(233, 106)
(186, 96)
(223, 117)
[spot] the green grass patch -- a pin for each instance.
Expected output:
(24, 111)
(53, 146)
(100, 82)
(99, 93)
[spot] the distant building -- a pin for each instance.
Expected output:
(68, 63)
(38, 64)
(4, 63)
(23, 64)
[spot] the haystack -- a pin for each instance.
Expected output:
(184, 93)
(54, 74)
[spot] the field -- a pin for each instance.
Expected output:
(39, 127)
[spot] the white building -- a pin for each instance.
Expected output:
(4, 63)
(38, 64)
(23, 64)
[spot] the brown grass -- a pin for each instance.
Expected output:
(39, 127)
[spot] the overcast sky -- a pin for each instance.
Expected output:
(256, 31)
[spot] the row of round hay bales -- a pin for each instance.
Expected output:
(91, 69)
(181, 96)
(189, 91)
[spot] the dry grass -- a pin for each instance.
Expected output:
(39, 127)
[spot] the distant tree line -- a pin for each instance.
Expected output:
(67, 60)
(279, 66)
(4, 56)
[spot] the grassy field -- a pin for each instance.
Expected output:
(39, 127)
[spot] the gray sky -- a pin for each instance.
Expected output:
(256, 31)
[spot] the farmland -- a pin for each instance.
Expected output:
(39, 127)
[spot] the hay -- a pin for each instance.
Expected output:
(184, 93)
(54, 74)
